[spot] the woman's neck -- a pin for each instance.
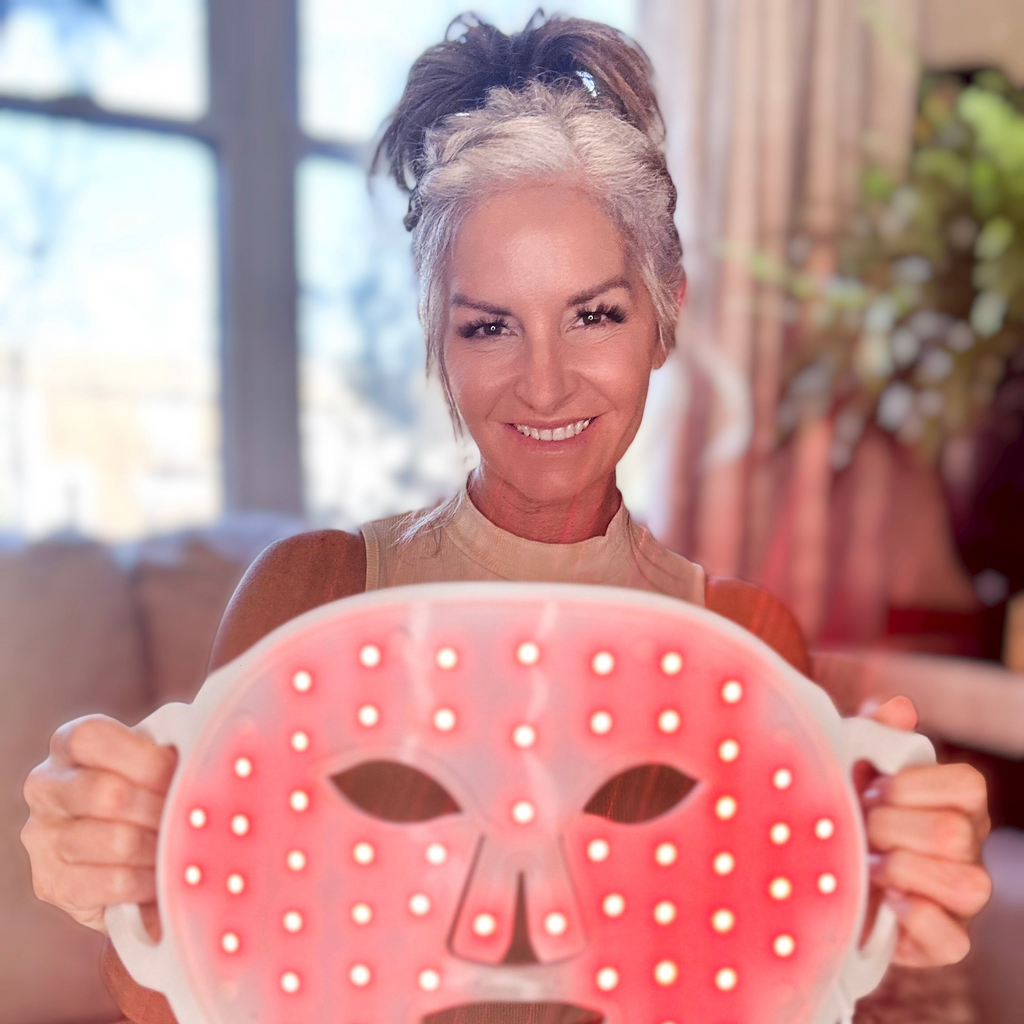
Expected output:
(585, 515)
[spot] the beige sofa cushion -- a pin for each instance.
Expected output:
(69, 645)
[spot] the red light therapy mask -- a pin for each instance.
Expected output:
(438, 797)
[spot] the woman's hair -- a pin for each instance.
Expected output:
(564, 98)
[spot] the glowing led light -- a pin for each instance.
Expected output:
(290, 982)
(296, 860)
(362, 913)
(444, 719)
(236, 884)
(292, 921)
(240, 825)
(447, 658)
(607, 979)
(302, 681)
(780, 888)
(665, 854)
(197, 817)
(193, 875)
(230, 942)
(728, 750)
(827, 883)
(666, 972)
(300, 741)
(369, 655)
(723, 863)
(723, 920)
(430, 981)
(598, 850)
(824, 828)
(368, 716)
(359, 975)
(779, 833)
(732, 692)
(299, 800)
(602, 663)
(556, 923)
(419, 904)
(601, 723)
(485, 925)
(528, 653)
(613, 904)
(784, 945)
(665, 912)
(524, 736)
(436, 853)
(669, 720)
(726, 979)
(363, 853)
(782, 779)
(672, 663)
(725, 807)
(243, 767)
(523, 812)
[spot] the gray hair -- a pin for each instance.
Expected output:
(543, 131)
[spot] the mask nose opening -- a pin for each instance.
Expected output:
(520, 949)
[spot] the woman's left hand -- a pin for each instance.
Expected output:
(926, 826)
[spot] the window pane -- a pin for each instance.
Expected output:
(140, 55)
(376, 435)
(109, 421)
(355, 55)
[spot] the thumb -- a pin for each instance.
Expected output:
(897, 712)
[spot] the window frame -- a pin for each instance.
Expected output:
(253, 131)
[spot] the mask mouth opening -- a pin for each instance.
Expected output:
(515, 1013)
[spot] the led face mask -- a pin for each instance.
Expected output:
(610, 803)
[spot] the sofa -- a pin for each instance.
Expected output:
(121, 629)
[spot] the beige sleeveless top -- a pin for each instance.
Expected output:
(468, 546)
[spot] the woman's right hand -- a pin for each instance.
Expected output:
(94, 810)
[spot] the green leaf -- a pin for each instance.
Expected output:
(995, 238)
(944, 164)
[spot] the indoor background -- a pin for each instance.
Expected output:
(208, 341)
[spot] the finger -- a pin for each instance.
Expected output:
(898, 713)
(91, 793)
(960, 889)
(944, 833)
(88, 841)
(100, 742)
(87, 886)
(938, 939)
(958, 786)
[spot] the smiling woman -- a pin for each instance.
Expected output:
(550, 274)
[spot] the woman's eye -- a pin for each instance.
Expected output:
(484, 329)
(601, 315)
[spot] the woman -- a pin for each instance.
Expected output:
(541, 216)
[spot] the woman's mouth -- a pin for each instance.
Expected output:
(559, 433)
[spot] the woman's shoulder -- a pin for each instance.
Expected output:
(290, 577)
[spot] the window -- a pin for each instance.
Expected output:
(197, 294)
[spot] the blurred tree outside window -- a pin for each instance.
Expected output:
(109, 336)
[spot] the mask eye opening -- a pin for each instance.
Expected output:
(393, 791)
(640, 794)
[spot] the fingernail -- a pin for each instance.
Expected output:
(875, 793)
(899, 903)
(876, 865)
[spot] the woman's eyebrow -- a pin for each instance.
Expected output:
(598, 289)
(458, 299)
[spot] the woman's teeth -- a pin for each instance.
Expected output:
(558, 434)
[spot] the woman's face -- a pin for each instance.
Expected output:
(550, 342)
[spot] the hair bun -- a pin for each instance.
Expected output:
(456, 75)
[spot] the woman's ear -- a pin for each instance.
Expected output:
(681, 291)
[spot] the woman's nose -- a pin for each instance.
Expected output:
(545, 379)
(518, 910)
